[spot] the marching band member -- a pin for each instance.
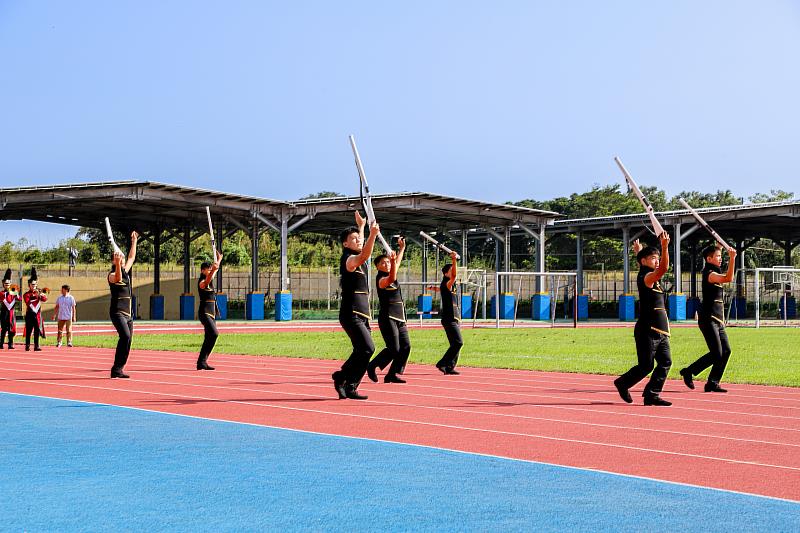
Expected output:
(207, 312)
(711, 320)
(391, 318)
(121, 310)
(33, 315)
(651, 332)
(8, 318)
(451, 318)
(354, 311)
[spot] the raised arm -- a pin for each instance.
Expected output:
(211, 271)
(453, 271)
(355, 261)
(713, 277)
(132, 252)
(116, 275)
(663, 265)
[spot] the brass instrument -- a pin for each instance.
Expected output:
(45, 291)
(13, 289)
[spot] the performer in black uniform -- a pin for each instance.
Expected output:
(451, 318)
(121, 309)
(391, 318)
(354, 311)
(8, 311)
(711, 320)
(652, 329)
(207, 312)
(34, 323)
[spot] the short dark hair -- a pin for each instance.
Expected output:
(647, 251)
(379, 259)
(446, 268)
(345, 233)
(205, 264)
(65, 287)
(709, 250)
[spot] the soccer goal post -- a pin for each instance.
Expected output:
(776, 285)
(555, 287)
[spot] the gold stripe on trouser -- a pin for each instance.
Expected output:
(362, 314)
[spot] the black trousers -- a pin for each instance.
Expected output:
(398, 346)
(453, 332)
(210, 338)
(357, 328)
(5, 328)
(719, 350)
(650, 346)
(124, 326)
(31, 327)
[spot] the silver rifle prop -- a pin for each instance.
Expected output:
(705, 225)
(642, 198)
(111, 238)
(437, 244)
(366, 198)
(211, 232)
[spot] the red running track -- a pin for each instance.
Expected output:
(746, 441)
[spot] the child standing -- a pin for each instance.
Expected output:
(65, 314)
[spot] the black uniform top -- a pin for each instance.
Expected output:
(652, 308)
(121, 302)
(712, 307)
(208, 298)
(449, 312)
(355, 290)
(391, 299)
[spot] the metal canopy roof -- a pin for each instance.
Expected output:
(773, 220)
(146, 204)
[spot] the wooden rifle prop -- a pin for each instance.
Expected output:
(366, 201)
(111, 238)
(437, 244)
(705, 225)
(642, 198)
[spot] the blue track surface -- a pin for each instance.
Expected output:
(78, 466)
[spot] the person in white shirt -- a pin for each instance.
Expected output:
(65, 314)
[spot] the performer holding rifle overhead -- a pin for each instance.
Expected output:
(391, 318)
(651, 332)
(121, 308)
(711, 316)
(451, 318)
(8, 310)
(207, 312)
(354, 311)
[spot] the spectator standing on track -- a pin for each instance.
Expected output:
(652, 329)
(207, 312)
(121, 309)
(451, 319)
(8, 311)
(711, 320)
(354, 310)
(391, 318)
(65, 313)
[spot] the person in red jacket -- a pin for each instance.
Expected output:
(8, 308)
(34, 324)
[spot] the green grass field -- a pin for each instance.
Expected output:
(765, 356)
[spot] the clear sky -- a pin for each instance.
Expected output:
(496, 100)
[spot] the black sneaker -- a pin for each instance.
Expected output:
(656, 400)
(714, 387)
(339, 384)
(353, 394)
(119, 374)
(451, 372)
(371, 373)
(623, 392)
(392, 378)
(687, 378)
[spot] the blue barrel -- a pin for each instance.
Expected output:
(187, 307)
(540, 306)
(692, 307)
(791, 307)
(627, 307)
(466, 306)
(283, 305)
(425, 305)
(156, 307)
(222, 306)
(677, 306)
(739, 308)
(583, 306)
(507, 300)
(254, 306)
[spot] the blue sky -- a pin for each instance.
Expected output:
(488, 100)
